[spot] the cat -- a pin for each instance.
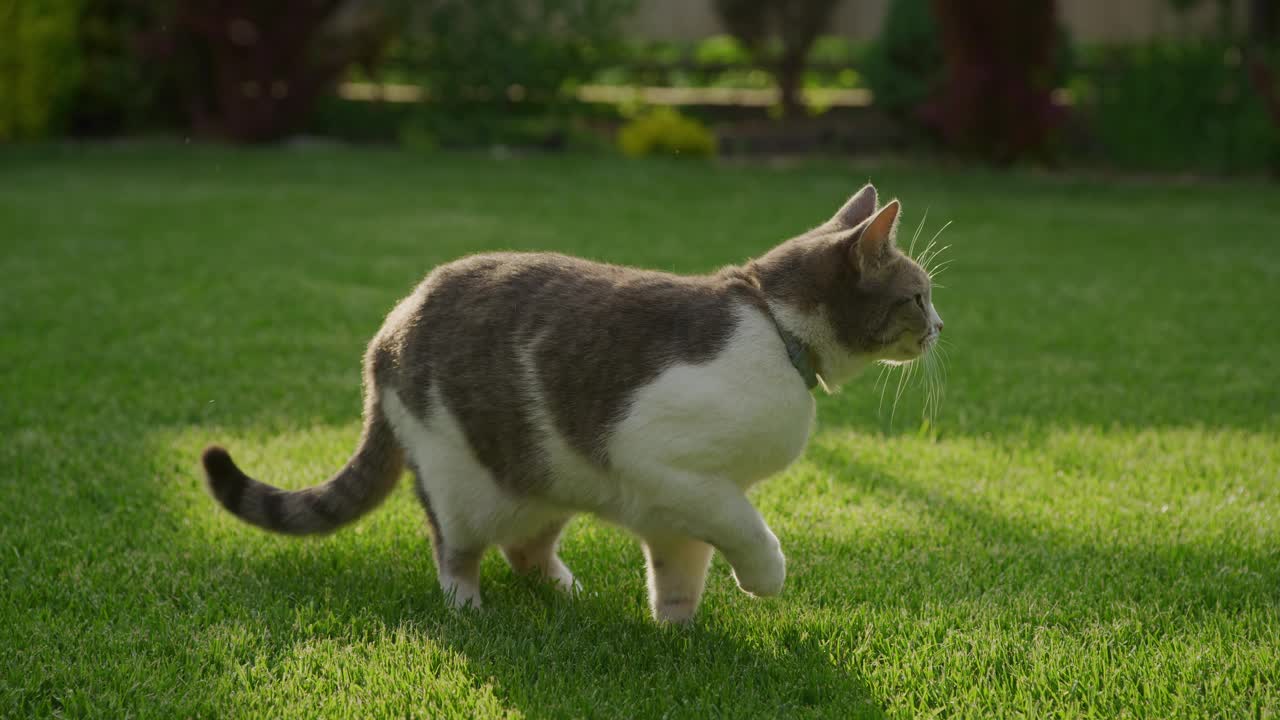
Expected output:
(523, 388)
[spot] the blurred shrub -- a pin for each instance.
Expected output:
(359, 121)
(251, 71)
(832, 61)
(1181, 106)
(39, 65)
(779, 35)
(119, 90)
(429, 128)
(664, 131)
(905, 64)
(721, 50)
(721, 61)
(502, 70)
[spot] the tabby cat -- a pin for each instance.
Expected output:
(521, 389)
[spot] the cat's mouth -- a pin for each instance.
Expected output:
(908, 347)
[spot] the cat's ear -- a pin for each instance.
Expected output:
(872, 246)
(855, 210)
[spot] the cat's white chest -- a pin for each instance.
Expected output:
(743, 416)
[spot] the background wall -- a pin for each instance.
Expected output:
(1088, 20)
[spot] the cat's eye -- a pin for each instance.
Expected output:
(920, 301)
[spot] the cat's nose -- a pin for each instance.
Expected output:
(940, 325)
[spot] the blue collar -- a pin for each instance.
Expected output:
(799, 355)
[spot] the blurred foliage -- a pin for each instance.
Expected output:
(720, 61)
(778, 34)
(1179, 107)
(501, 70)
(238, 69)
(119, 91)
(252, 71)
(358, 120)
(664, 131)
(1224, 13)
(468, 126)
(39, 66)
(905, 64)
(721, 50)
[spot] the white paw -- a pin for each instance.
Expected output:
(764, 574)
(462, 595)
(565, 582)
(676, 610)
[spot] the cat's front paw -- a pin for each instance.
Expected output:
(765, 574)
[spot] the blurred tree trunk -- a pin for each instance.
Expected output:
(252, 71)
(790, 76)
(997, 97)
(779, 34)
(1264, 22)
(1261, 60)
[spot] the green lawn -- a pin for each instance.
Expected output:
(1091, 528)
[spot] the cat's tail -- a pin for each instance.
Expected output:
(359, 487)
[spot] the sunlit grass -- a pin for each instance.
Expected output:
(1089, 525)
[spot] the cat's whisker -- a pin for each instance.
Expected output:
(911, 251)
(937, 270)
(929, 249)
(934, 256)
(927, 382)
(930, 253)
(936, 392)
(943, 361)
(940, 349)
(886, 376)
(936, 235)
(893, 409)
(940, 383)
(924, 254)
(918, 375)
(904, 382)
(935, 273)
(885, 371)
(935, 377)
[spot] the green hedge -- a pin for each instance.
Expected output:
(39, 66)
(1179, 107)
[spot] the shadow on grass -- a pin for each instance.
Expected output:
(250, 619)
(125, 602)
(983, 555)
(548, 656)
(177, 592)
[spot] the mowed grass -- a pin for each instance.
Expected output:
(1090, 528)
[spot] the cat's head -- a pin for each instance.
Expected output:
(846, 289)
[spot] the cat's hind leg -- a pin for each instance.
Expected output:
(457, 558)
(538, 554)
(677, 567)
(456, 491)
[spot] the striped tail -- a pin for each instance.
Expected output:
(359, 487)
